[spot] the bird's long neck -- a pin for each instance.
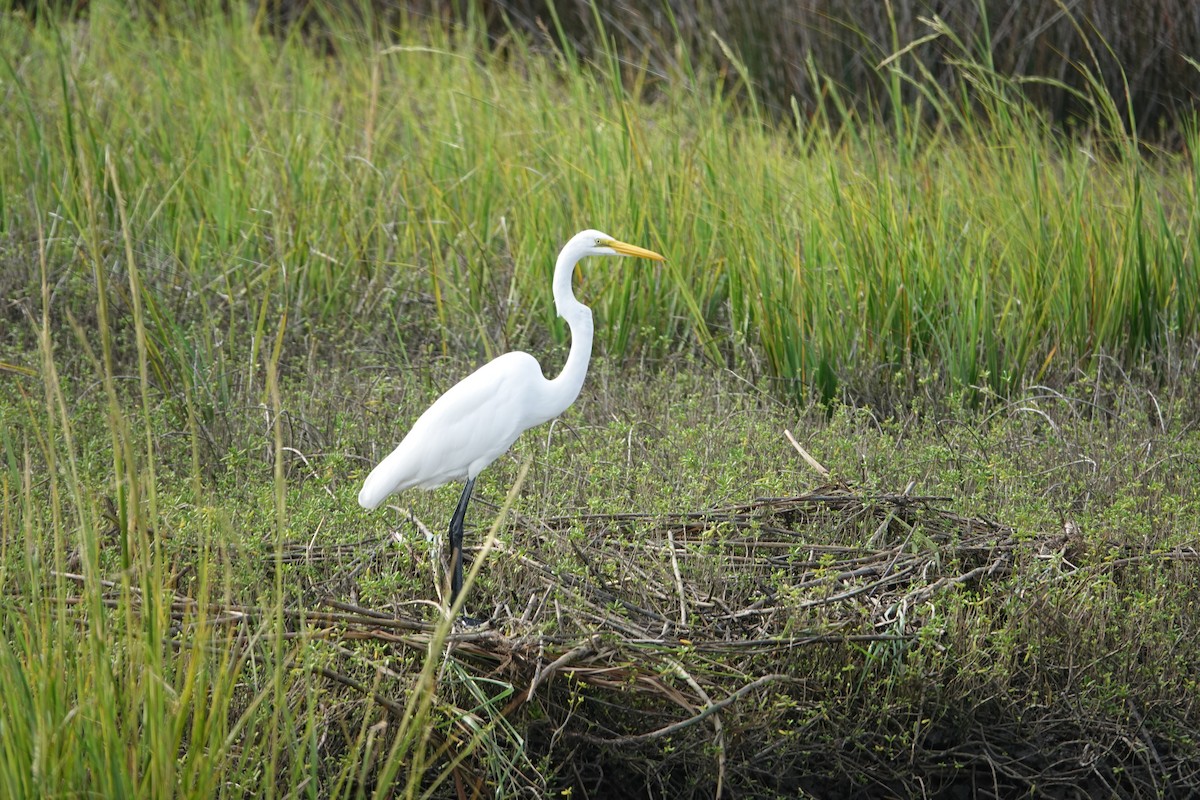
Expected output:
(566, 386)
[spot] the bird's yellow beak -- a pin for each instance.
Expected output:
(632, 250)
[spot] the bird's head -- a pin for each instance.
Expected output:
(595, 243)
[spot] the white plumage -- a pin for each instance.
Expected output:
(479, 418)
(465, 429)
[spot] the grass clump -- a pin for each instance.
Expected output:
(792, 53)
(430, 179)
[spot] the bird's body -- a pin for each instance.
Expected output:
(479, 418)
(467, 428)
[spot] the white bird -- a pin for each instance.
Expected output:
(479, 418)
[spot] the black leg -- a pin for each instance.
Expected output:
(456, 537)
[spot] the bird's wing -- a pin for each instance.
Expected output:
(465, 429)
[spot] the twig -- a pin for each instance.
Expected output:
(391, 705)
(718, 726)
(572, 655)
(678, 581)
(928, 591)
(777, 643)
(866, 587)
(812, 462)
(353, 609)
(690, 721)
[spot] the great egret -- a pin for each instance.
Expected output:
(480, 417)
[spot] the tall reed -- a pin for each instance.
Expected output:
(418, 191)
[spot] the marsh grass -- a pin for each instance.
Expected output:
(235, 265)
(791, 52)
(371, 191)
(122, 675)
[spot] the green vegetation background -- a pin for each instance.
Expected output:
(235, 264)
